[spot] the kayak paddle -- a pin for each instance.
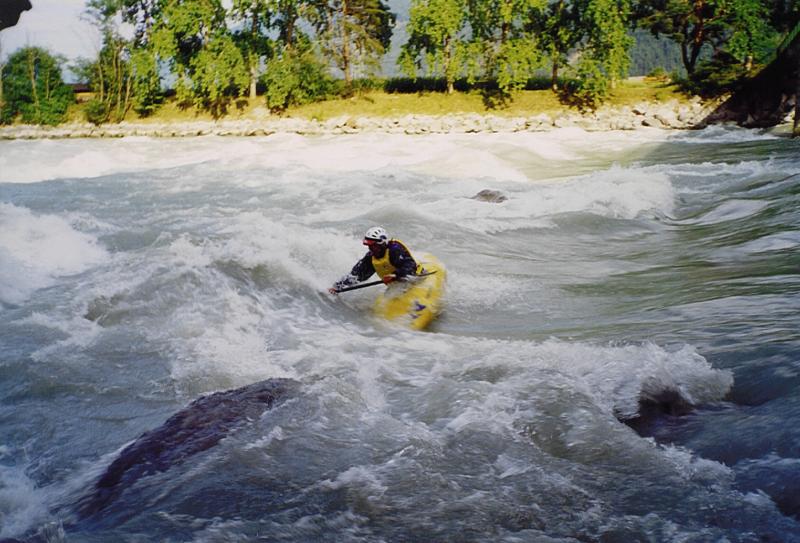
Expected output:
(373, 283)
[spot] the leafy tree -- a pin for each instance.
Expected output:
(110, 74)
(142, 15)
(209, 67)
(286, 15)
(607, 41)
(147, 92)
(255, 18)
(218, 72)
(720, 40)
(128, 69)
(503, 30)
(436, 39)
(559, 34)
(353, 33)
(296, 77)
(692, 24)
(750, 34)
(33, 88)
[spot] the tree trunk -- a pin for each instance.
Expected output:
(796, 126)
(685, 58)
(253, 75)
(448, 59)
(554, 76)
(289, 34)
(32, 75)
(348, 76)
(253, 57)
(2, 66)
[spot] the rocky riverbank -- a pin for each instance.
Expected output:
(667, 115)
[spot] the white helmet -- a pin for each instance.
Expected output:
(376, 234)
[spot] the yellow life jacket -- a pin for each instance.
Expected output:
(383, 265)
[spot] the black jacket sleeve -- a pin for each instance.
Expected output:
(402, 260)
(360, 272)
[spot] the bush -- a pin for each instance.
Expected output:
(658, 73)
(589, 88)
(295, 78)
(96, 111)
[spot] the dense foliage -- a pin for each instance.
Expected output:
(212, 52)
(33, 88)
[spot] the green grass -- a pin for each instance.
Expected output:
(379, 103)
(522, 103)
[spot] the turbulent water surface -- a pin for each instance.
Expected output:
(617, 359)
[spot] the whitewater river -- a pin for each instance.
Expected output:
(618, 359)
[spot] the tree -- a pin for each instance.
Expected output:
(750, 33)
(142, 15)
(558, 31)
(353, 33)
(601, 30)
(33, 88)
(128, 68)
(110, 74)
(286, 14)
(503, 30)
(436, 39)
(218, 72)
(692, 24)
(209, 67)
(255, 18)
(296, 76)
(146, 77)
(607, 41)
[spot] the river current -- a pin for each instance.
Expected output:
(618, 359)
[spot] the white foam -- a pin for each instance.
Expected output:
(22, 506)
(721, 134)
(615, 193)
(37, 249)
(509, 157)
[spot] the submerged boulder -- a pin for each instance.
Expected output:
(489, 195)
(198, 427)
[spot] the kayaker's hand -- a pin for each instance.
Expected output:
(388, 279)
(333, 290)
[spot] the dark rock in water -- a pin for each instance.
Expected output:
(655, 409)
(198, 427)
(488, 195)
(778, 478)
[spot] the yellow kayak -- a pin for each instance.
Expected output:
(416, 302)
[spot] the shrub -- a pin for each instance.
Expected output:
(96, 111)
(295, 78)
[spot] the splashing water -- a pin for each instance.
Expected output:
(616, 360)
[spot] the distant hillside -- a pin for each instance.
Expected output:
(650, 52)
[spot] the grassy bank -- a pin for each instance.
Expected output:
(523, 103)
(377, 103)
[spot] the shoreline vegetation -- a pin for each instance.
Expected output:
(302, 56)
(637, 103)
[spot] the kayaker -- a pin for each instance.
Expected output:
(389, 258)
